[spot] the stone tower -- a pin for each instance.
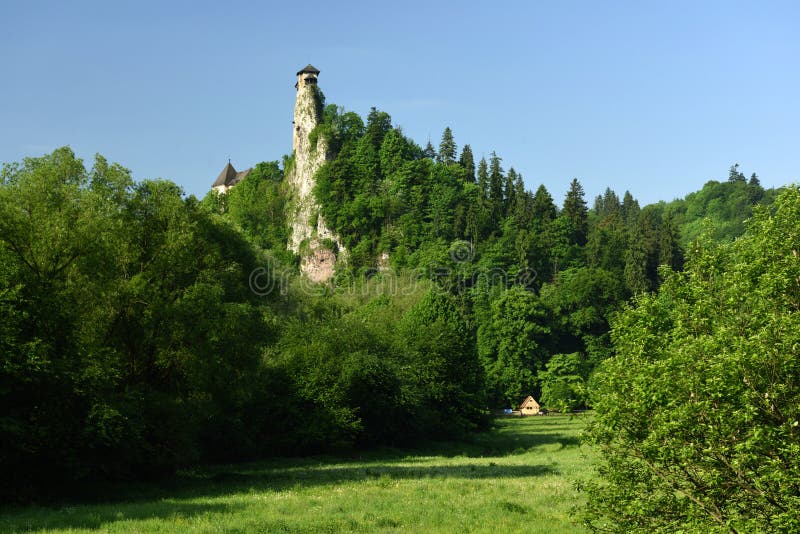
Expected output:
(306, 106)
(317, 260)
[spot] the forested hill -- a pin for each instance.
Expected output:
(536, 281)
(725, 205)
(385, 194)
(144, 331)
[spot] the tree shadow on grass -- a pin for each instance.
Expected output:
(166, 497)
(97, 517)
(278, 479)
(512, 436)
(173, 498)
(294, 477)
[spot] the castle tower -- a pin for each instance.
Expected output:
(306, 104)
(317, 262)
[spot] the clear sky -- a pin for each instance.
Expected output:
(653, 97)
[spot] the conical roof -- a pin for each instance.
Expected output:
(227, 174)
(308, 68)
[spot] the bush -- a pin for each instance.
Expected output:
(697, 414)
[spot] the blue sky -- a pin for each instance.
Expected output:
(652, 97)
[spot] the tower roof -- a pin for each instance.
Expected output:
(308, 68)
(227, 174)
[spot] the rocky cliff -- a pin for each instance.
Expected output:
(310, 237)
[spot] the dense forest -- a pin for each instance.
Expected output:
(144, 330)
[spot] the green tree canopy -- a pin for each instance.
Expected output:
(697, 412)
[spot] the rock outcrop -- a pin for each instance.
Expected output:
(308, 230)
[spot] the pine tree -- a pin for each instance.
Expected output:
(378, 125)
(669, 247)
(483, 178)
(523, 204)
(636, 267)
(509, 192)
(754, 190)
(447, 148)
(576, 213)
(429, 151)
(630, 208)
(496, 186)
(544, 209)
(606, 204)
(468, 162)
(734, 175)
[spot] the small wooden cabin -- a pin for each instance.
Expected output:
(529, 406)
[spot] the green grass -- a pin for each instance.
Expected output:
(517, 478)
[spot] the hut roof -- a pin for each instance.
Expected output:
(308, 68)
(529, 401)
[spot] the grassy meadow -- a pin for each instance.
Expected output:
(517, 478)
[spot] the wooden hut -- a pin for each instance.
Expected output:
(529, 406)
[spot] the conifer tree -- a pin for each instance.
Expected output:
(468, 162)
(496, 186)
(669, 247)
(429, 151)
(544, 209)
(607, 204)
(734, 175)
(509, 191)
(447, 148)
(378, 125)
(636, 268)
(754, 190)
(630, 208)
(483, 178)
(523, 204)
(576, 213)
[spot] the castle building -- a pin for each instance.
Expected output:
(309, 235)
(228, 178)
(307, 75)
(305, 112)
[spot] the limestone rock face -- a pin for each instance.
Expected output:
(319, 265)
(307, 225)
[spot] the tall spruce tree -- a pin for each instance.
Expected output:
(734, 175)
(429, 151)
(669, 246)
(447, 148)
(483, 178)
(496, 179)
(468, 162)
(544, 209)
(509, 192)
(523, 204)
(576, 213)
(630, 208)
(754, 190)
(378, 125)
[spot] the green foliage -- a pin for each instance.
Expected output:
(258, 205)
(144, 331)
(564, 382)
(447, 148)
(575, 214)
(726, 204)
(467, 161)
(697, 413)
(139, 330)
(510, 346)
